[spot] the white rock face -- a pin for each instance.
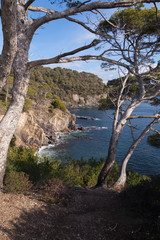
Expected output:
(89, 101)
(34, 127)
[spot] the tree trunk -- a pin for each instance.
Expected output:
(9, 27)
(20, 85)
(117, 129)
(119, 185)
(10, 120)
(102, 178)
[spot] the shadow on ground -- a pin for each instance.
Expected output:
(88, 215)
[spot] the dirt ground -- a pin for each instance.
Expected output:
(87, 215)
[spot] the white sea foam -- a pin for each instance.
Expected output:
(96, 128)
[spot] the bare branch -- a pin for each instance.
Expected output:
(155, 130)
(119, 101)
(83, 8)
(28, 4)
(113, 25)
(109, 115)
(122, 178)
(156, 11)
(88, 28)
(59, 59)
(132, 133)
(41, 9)
(135, 117)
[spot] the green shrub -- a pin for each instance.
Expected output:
(80, 172)
(133, 178)
(154, 139)
(58, 104)
(106, 103)
(70, 171)
(53, 192)
(51, 109)
(27, 105)
(17, 182)
(23, 160)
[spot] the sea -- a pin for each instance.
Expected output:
(93, 142)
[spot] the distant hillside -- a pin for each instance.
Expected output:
(47, 82)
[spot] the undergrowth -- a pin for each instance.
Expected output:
(70, 171)
(143, 200)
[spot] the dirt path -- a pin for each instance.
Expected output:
(88, 215)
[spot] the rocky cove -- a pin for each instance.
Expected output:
(38, 127)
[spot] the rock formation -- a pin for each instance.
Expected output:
(88, 101)
(37, 128)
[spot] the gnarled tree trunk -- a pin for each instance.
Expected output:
(21, 79)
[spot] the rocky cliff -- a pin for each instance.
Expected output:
(37, 128)
(88, 101)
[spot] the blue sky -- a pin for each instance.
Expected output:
(60, 36)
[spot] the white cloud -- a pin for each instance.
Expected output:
(85, 37)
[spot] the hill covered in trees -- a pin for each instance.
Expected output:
(47, 82)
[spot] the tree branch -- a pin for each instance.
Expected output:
(155, 130)
(59, 59)
(28, 4)
(83, 8)
(88, 28)
(135, 117)
(113, 25)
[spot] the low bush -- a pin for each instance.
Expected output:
(70, 171)
(106, 103)
(53, 192)
(154, 139)
(23, 160)
(17, 182)
(27, 105)
(57, 103)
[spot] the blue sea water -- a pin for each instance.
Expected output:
(146, 158)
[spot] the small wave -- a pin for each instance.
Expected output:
(96, 128)
(88, 118)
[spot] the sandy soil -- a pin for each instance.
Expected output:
(87, 215)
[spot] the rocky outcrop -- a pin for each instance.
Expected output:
(88, 101)
(28, 133)
(36, 128)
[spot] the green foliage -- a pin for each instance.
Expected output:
(57, 104)
(47, 83)
(17, 182)
(156, 101)
(27, 105)
(154, 139)
(71, 172)
(139, 21)
(133, 178)
(23, 160)
(80, 172)
(106, 103)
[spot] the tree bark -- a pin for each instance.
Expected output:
(9, 28)
(122, 179)
(20, 85)
(111, 157)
